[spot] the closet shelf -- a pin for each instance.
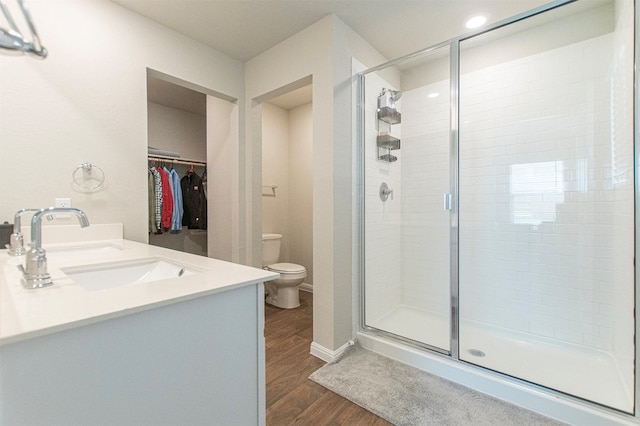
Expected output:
(175, 160)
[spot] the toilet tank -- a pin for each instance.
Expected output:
(270, 248)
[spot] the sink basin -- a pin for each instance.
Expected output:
(110, 275)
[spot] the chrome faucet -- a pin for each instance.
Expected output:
(35, 270)
(16, 242)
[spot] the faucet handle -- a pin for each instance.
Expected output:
(16, 241)
(16, 244)
(385, 192)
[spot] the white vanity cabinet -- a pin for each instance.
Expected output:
(181, 359)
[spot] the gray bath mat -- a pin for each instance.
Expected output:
(405, 395)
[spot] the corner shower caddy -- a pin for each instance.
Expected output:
(388, 114)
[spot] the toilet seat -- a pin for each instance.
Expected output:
(283, 291)
(286, 268)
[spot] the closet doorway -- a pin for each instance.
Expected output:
(192, 132)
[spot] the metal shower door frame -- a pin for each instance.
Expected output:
(454, 46)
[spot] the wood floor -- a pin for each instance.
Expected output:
(293, 399)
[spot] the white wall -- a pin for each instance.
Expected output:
(223, 183)
(324, 51)
(275, 171)
(87, 102)
(177, 130)
(301, 188)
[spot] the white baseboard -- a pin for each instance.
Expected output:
(306, 287)
(328, 355)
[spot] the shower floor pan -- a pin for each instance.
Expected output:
(576, 370)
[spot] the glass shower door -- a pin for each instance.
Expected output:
(406, 174)
(546, 201)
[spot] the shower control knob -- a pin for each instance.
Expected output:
(385, 192)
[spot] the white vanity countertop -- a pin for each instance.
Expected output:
(26, 313)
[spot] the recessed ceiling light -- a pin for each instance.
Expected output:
(433, 95)
(476, 21)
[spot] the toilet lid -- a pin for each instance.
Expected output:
(286, 267)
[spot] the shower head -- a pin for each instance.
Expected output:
(395, 94)
(388, 98)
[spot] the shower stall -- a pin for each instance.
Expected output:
(497, 203)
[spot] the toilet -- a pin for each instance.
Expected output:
(281, 292)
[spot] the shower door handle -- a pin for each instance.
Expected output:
(448, 201)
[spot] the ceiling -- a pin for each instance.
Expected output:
(173, 95)
(294, 98)
(165, 93)
(243, 29)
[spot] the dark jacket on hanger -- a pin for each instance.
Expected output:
(194, 201)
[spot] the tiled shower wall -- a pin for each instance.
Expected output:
(551, 130)
(425, 180)
(622, 163)
(546, 196)
(547, 129)
(382, 235)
